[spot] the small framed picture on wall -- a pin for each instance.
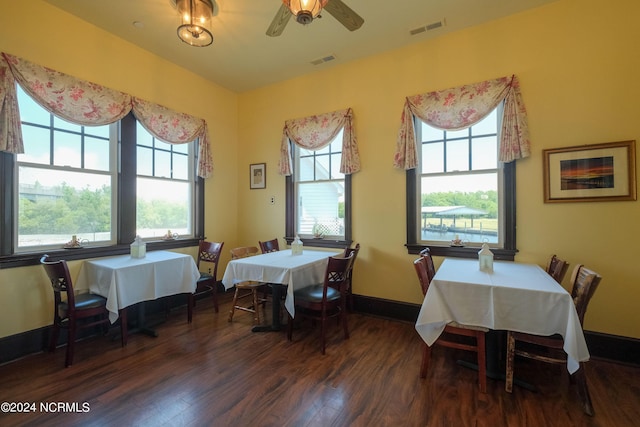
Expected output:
(258, 176)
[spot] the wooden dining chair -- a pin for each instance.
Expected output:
(247, 288)
(557, 268)
(549, 349)
(452, 329)
(208, 257)
(347, 252)
(269, 246)
(73, 312)
(323, 301)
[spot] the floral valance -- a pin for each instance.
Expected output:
(316, 132)
(461, 107)
(89, 104)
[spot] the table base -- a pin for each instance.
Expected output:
(276, 296)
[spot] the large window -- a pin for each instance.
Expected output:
(319, 195)
(103, 184)
(460, 191)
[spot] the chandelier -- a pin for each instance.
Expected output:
(195, 16)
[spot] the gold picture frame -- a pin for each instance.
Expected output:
(590, 173)
(257, 176)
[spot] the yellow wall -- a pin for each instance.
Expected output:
(577, 62)
(60, 41)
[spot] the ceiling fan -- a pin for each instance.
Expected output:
(306, 10)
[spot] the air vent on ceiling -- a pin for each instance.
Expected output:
(323, 60)
(429, 27)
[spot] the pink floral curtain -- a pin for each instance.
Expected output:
(89, 104)
(461, 107)
(316, 132)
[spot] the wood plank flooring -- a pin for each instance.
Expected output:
(215, 373)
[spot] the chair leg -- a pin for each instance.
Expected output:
(323, 328)
(345, 326)
(482, 362)
(55, 332)
(256, 307)
(289, 327)
(71, 339)
(124, 332)
(426, 358)
(511, 350)
(583, 390)
(214, 293)
(191, 302)
(233, 305)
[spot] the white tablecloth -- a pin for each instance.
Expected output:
(516, 297)
(125, 281)
(295, 271)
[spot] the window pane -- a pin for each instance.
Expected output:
(484, 153)
(145, 161)
(180, 166)
(463, 205)
(452, 134)
(31, 111)
(180, 148)
(320, 208)
(430, 133)
(36, 145)
(433, 157)
(163, 205)
(335, 166)
(162, 164)
(488, 125)
(142, 136)
(306, 169)
(457, 155)
(96, 154)
(67, 149)
(54, 205)
(59, 123)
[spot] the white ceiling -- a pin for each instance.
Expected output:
(242, 57)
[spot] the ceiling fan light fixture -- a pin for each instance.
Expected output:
(195, 22)
(305, 10)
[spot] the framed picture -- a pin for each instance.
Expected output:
(258, 176)
(590, 173)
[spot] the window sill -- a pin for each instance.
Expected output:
(33, 258)
(462, 252)
(321, 243)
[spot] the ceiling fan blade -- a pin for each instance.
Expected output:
(344, 14)
(279, 21)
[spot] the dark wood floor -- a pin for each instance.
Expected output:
(212, 373)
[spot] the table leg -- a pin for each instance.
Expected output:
(495, 347)
(141, 326)
(276, 295)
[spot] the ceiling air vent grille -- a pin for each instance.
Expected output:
(323, 59)
(428, 27)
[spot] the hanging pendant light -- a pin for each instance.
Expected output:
(195, 18)
(305, 10)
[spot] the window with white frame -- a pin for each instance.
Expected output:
(320, 192)
(460, 185)
(164, 186)
(70, 178)
(65, 180)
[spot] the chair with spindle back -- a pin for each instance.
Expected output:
(251, 287)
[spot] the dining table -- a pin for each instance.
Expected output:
(126, 281)
(516, 296)
(282, 270)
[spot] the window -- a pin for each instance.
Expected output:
(319, 196)
(65, 179)
(104, 184)
(164, 188)
(459, 189)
